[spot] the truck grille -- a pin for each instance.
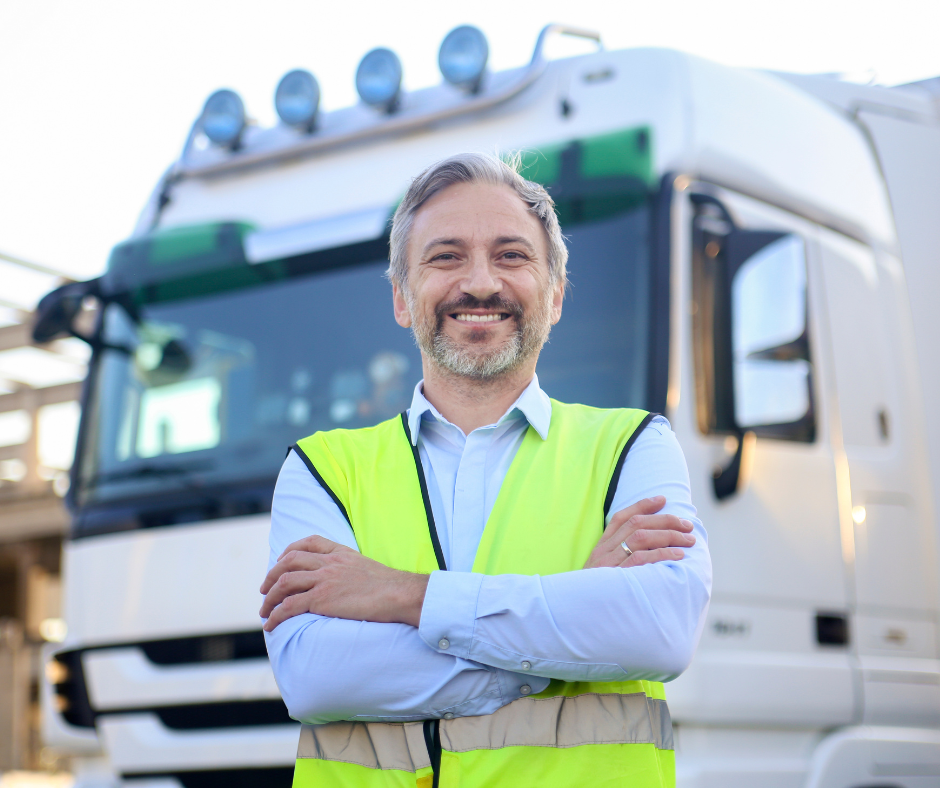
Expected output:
(280, 777)
(73, 701)
(211, 648)
(223, 715)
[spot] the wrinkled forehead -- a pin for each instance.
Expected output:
(476, 213)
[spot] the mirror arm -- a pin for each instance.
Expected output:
(796, 350)
(90, 341)
(51, 320)
(98, 345)
(735, 475)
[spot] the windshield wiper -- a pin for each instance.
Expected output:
(150, 471)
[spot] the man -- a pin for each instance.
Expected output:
(535, 658)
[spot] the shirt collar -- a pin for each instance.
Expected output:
(533, 405)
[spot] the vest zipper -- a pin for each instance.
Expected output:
(432, 740)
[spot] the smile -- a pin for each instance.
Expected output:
(465, 317)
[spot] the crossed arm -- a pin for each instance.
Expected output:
(315, 575)
(352, 639)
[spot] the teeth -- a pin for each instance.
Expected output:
(479, 318)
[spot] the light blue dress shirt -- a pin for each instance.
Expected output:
(484, 641)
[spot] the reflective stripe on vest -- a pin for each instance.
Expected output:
(619, 733)
(528, 722)
(375, 745)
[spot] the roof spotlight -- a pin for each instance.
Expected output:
(462, 57)
(378, 79)
(297, 98)
(223, 118)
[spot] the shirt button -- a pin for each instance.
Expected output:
(525, 689)
(449, 715)
(526, 665)
(443, 644)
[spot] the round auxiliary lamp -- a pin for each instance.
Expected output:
(223, 118)
(462, 57)
(378, 79)
(297, 99)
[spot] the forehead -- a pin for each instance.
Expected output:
(475, 212)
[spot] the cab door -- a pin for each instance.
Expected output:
(895, 566)
(749, 401)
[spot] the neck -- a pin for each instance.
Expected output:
(472, 403)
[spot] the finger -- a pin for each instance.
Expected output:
(637, 523)
(643, 557)
(288, 584)
(652, 540)
(657, 522)
(599, 558)
(292, 561)
(313, 544)
(650, 522)
(290, 607)
(645, 506)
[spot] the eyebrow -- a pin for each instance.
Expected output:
(515, 239)
(501, 241)
(442, 242)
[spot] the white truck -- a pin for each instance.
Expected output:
(753, 254)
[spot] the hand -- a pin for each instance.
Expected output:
(652, 537)
(315, 575)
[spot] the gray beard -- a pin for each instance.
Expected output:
(460, 359)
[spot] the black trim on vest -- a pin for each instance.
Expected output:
(316, 475)
(432, 527)
(432, 728)
(615, 478)
(432, 740)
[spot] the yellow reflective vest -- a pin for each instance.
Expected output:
(547, 518)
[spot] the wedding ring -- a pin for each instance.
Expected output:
(626, 549)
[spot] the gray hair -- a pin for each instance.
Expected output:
(474, 168)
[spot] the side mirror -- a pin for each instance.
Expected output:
(56, 312)
(751, 334)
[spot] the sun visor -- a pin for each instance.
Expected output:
(175, 253)
(262, 246)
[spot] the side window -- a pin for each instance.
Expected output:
(769, 346)
(753, 364)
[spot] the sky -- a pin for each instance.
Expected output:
(97, 97)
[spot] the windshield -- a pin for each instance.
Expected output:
(207, 393)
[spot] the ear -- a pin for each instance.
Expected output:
(400, 305)
(557, 297)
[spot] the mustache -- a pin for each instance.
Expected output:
(495, 302)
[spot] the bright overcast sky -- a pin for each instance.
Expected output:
(97, 96)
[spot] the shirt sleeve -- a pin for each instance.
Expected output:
(335, 669)
(604, 624)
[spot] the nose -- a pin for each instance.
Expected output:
(481, 280)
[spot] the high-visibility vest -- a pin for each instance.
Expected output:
(548, 517)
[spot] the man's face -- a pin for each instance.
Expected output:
(479, 296)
